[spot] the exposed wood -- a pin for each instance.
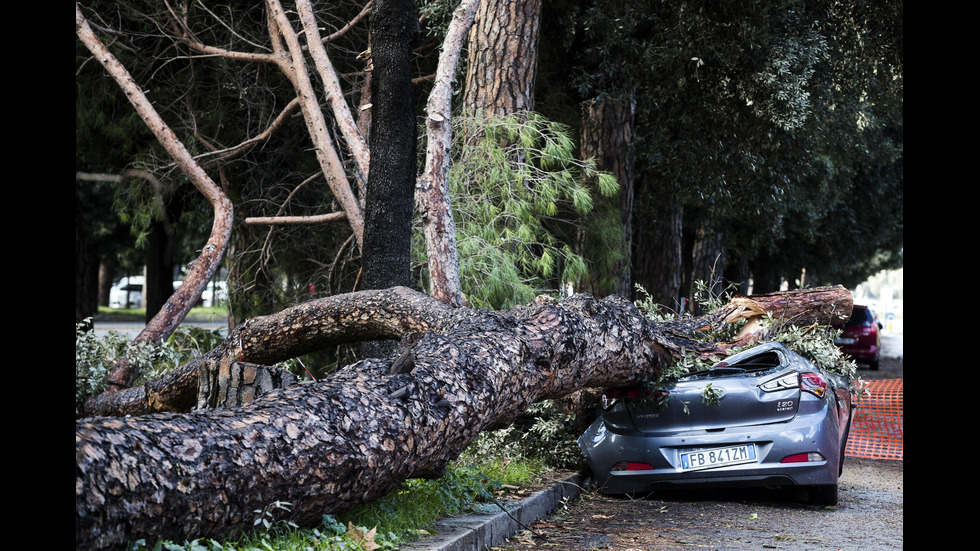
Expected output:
(327, 446)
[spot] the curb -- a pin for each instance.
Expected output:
(481, 531)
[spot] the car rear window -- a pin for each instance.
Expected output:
(860, 316)
(750, 366)
(760, 362)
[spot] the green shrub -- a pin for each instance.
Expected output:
(95, 356)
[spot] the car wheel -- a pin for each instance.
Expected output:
(824, 495)
(875, 364)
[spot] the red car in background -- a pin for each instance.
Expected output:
(860, 337)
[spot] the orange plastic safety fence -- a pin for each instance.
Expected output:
(877, 427)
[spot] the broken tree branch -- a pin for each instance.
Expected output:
(432, 193)
(201, 272)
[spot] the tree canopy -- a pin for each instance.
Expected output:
(767, 140)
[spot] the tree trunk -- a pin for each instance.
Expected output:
(86, 275)
(432, 189)
(503, 58)
(708, 262)
(328, 446)
(391, 184)
(658, 263)
(159, 267)
(608, 135)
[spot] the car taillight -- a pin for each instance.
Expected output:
(803, 458)
(631, 466)
(814, 384)
(788, 381)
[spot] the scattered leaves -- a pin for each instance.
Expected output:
(362, 538)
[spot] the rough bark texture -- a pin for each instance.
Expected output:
(608, 135)
(228, 384)
(266, 340)
(503, 58)
(658, 263)
(328, 446)
(391, 185)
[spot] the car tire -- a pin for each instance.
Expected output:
(875, 364)
(823, 495)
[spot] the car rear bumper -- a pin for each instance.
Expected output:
(816, 432)
(863, 353)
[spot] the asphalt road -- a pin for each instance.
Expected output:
(132, 328)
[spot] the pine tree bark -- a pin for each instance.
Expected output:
(608, 135)
(328, 446)
(658, 265)
(503, 58)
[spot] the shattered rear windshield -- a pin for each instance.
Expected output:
(753, 365)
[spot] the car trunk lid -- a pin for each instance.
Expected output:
(720, 401)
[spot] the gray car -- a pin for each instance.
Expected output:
(769, 418)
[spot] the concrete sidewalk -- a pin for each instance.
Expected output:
(482, 530)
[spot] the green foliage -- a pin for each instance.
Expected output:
(777, 125)
(95, 356)
(518, 194)
(813, 342)
(545, 433)
(281, 535)
(417, 502)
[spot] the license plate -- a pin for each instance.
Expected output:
(844, 340)
(717, 457)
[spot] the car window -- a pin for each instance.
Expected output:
(860, 316)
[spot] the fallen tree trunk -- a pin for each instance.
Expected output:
(328, 446)
(308, 327)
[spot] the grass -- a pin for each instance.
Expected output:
(139, 314)
(403, 515)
